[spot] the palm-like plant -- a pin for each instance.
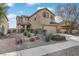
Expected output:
(3, 11)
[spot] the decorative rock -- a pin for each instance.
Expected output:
(37, 38)
(32, 39)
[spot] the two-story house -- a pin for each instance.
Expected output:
(43, 18)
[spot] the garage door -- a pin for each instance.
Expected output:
(50, 29)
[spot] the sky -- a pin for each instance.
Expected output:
(27, 9)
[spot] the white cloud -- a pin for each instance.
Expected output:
(12, 20)
(10, 4)
(51, 9)
(30, 4)
(40, 8)
(58, 19)
(11, 16)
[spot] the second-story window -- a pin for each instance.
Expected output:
(35, 18)
(45, 14)
(51, 17)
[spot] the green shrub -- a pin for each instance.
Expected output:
(25, 33)
(58, 38)
(47, 39)
(54, 38)
(28, 34)
(50, 36)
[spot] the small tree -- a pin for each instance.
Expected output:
(3, 11)
(69, 14)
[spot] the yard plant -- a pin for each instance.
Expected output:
(48, 37)
(28, 34)
(58, 38)
(54, 38)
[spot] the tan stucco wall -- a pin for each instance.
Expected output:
(40, 20)
(5, 25)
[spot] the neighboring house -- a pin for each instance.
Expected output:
(22, 23)
(4, 26)
(43, 19)
(63, 26)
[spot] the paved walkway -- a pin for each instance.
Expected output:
(43, 50)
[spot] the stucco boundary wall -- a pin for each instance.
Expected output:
(57, 48)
